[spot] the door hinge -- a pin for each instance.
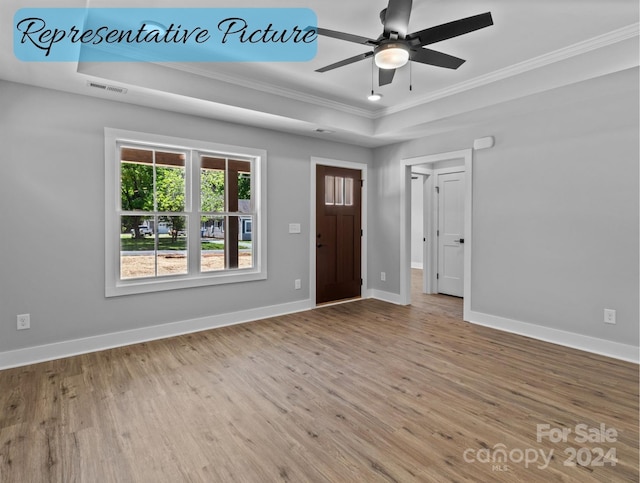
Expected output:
(361, 232)
(437, 276)
(424, 239)
(361, 282)
(437, 232)
(361, 183)
(438, 189)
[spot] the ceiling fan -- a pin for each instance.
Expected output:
(394, 48)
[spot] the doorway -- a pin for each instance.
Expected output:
(452, 258)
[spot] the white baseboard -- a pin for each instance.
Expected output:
(58, 350)
(615, 350)
(393, 298)
(418, 265)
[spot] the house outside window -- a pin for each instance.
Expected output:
(181, 213)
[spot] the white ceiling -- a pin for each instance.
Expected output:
(534, 46)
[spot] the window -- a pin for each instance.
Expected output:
(181, 213)
(338, 191)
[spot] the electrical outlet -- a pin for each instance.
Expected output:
(383, 276)
(24, 322)
(297, 284)
(609, 316)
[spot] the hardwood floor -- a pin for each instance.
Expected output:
(364, 391)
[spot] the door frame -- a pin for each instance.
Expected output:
(315, 161)
(405, 222)
(428, 217)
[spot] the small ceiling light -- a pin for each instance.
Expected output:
(391, 55)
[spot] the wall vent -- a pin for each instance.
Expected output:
(105, 87)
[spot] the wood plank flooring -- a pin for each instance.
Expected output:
(359, 392)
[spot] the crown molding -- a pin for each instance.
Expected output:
(273, 89)
(565, 53)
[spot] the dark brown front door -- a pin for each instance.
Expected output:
(338, 235)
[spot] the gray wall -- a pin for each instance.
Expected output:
(555, 210)
(52, 205)
(556, 213)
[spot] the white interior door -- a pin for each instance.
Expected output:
(451, 233)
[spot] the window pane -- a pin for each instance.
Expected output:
(137, 247)
(136, 179)
(245, 242)
(348, 191)
(339, 190)
(212, 255)
(241, 170)
(170, 181)
(329, 190)
(239, 248)
(172, 246)
(212, 180)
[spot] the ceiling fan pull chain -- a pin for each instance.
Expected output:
(410, 77)
(372, 73)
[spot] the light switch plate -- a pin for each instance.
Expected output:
(294, 227)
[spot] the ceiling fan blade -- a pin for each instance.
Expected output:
(350, 60)
(432, 57)
(385, 76)
(396, 17)
(343, 36)
(451, 29)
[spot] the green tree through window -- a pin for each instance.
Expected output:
(155, 212)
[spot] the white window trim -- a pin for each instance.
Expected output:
(116, 287)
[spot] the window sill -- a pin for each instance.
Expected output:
(140, 286)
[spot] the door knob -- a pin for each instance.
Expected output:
(461, 240)
(319, 245)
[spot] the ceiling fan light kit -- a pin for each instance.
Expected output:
(374, 96)
(394, 48)
(391, 55)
